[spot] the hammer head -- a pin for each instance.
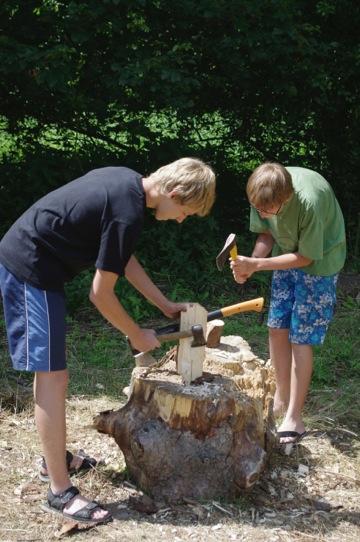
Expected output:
(228, 249)
(198, 336)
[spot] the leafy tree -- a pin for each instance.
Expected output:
(141, 82)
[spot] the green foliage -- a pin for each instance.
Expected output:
(97, 82)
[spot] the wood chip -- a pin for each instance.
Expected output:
(217, 505)
(67, 528)
(303, 470)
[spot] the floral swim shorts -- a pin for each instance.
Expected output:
(302, 303)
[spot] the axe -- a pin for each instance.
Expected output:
(229, 250)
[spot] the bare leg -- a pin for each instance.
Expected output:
(300, 380)
(49, 395)
(280, 354)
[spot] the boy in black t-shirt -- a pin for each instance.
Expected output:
(93, 221)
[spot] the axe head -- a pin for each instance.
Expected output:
(224, 254)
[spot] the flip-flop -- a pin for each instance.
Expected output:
(295, 435)
(86, 464)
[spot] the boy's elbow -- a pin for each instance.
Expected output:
(98, 294)
(93, 297)
(306, 261)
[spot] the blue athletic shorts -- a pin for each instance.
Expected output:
(302, 303)
(35, 324)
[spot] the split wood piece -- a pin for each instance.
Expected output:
(213, 333)
(190, 359)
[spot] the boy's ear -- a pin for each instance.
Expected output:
(174, 194)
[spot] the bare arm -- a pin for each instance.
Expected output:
(244, 267)
(137, 276)
(102, 295)
(263, 245)
(292, 260)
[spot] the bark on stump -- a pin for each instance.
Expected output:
(206, 440)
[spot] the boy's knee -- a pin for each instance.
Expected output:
(52, 379)
(275, 332)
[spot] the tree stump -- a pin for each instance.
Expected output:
(205, 440)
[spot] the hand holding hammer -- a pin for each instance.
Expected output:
(243, 268)
(229, 251)
(169, 333)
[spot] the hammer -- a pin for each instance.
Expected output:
(229, 249)
(163, 334)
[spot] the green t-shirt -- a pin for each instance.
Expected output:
(310, 223)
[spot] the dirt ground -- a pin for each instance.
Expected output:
(313, 494)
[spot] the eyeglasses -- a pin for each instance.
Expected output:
(267, 212)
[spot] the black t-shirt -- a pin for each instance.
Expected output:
(94, 220)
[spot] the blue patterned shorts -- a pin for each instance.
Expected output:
(302, 303)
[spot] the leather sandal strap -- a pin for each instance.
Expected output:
(87, 512)
(58, 502)
(87, 463)
(69, 458)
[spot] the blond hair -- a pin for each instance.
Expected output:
(269, 184)
(193, 181)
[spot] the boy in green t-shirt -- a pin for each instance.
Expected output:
(298, 219)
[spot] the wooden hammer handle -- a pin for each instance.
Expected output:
(174, 336)
(233, 252)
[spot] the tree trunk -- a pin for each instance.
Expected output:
(208, 439)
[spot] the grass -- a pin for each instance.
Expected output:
(99, 358)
